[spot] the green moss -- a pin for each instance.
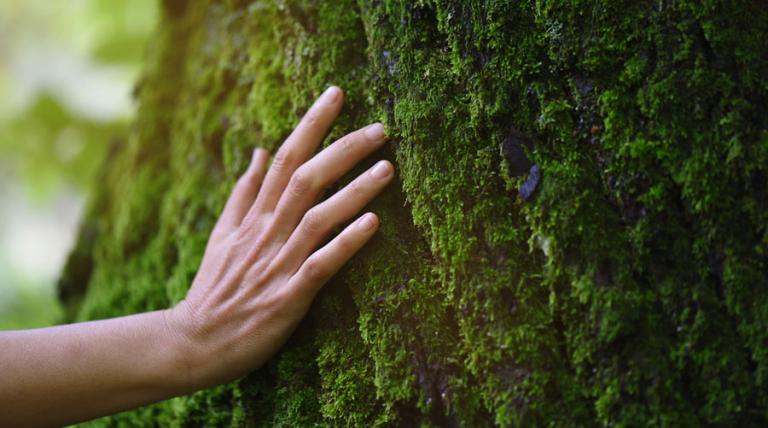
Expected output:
(630, 290)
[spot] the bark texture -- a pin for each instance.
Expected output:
(577, 236)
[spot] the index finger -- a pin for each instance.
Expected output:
(298, 147)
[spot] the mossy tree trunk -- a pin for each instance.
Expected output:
(577, 236)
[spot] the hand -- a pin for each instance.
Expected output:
(260, 272)
(261, 268)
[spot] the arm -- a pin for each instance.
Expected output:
(60, 375)
(261, 271)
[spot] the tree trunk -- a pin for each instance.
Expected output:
(577, 235)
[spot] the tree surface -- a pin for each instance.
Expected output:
(576, 237)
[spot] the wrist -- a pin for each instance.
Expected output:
(186, 359)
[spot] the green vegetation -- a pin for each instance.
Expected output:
(52, 132)
(629, 290)
(66, 72)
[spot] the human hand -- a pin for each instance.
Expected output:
(261, 268)
(258, 276)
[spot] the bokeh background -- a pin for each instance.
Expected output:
(67, 69)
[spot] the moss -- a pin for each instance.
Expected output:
(629, 290)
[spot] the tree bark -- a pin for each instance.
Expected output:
(577, 235)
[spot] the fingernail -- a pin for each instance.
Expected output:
(374, 132)
(367, 222)
(331, 95)
(381, 170)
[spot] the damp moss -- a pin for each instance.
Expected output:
(630, 289)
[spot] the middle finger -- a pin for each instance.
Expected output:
(297, 148)
(309, 180)
(318, 221)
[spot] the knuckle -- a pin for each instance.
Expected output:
(301, 182)
(313, 222)
(276, 299)
(283, 158)
(249, 229)
(346, 145)
(312, 119)
(314, 269)
(243, 234)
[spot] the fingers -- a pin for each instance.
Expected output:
(309, 180)
(326, 261)
(299, 147)
(245, 191)
(320, 220)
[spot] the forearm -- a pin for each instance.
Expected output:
(60, 375)
(265, 261)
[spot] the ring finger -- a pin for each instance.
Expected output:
(318, 173)
(320, 220)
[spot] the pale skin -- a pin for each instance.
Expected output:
(264, 263)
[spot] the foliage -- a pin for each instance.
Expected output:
(48, 137)
(628, 290)
(66, 70)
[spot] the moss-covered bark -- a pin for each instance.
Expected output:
(629, 288)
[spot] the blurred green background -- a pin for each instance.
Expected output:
(67, 69)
